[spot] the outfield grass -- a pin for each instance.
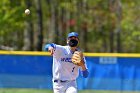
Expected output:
(6, 90)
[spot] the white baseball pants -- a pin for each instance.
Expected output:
(65, 87)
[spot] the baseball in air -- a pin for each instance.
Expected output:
(27, 11)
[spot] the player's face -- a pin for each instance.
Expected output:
(73, 41)
(73, 37)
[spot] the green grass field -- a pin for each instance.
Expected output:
(7, 90)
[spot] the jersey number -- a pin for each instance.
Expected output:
(73, 69)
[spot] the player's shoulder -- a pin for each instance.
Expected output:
(66, 46)
(61, 46)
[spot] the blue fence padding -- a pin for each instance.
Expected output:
(106, 73)
(25, 64)
(25, 71)
(112, 73)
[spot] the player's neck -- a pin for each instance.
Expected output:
(73, 48)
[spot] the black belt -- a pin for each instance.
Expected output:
(62, 81)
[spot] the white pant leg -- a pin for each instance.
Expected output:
(59, 87)
(71, 90)
(72, 87)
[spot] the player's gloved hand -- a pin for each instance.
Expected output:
(51, 50)
(77, 58)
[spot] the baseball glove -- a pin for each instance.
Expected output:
(77, 58)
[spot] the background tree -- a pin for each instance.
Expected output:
(103, 26)
(39, 27)
(28, 31)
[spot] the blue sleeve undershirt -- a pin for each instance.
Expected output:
(85, 73)
(49, 45)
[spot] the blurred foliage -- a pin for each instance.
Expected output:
(103, 25)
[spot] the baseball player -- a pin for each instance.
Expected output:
(65, 71)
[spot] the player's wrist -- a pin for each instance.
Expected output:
(83, 67)
(50, 48)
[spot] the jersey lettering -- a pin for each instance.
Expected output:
(66, 60)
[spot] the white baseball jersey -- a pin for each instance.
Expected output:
(63, 68)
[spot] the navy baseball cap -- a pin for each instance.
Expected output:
(73, 34)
